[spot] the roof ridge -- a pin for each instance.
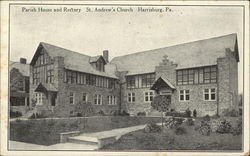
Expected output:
(63, 48)
(185, 43)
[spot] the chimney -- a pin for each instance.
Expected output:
(23, 60)
(106, 55)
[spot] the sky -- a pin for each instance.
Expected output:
(120, 32)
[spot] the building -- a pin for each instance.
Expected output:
(62, 79)
(19, 86)
(201, 75)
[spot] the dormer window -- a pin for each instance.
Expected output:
(98, 63)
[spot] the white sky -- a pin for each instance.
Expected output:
(121, 33)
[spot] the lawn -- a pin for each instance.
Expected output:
(168, 140)
(47, 131)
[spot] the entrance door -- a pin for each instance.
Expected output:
(167, 99)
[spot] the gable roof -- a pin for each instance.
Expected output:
(24, 69)
(187, 55)
(96, 58)
(76, 61)
(159, 83)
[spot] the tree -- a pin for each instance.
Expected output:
(161, 104)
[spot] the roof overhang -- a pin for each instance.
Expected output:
(44, 88)
(162, 82)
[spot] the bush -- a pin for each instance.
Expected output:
(230, 113)
(188, 112)
(101, 113)
(194, 113)
(190, 122)
(206, 118)
(173, 122)
(205, 128)
(37, 116)
(151, 128)
(114, 112)
(124, 113)
(141, 114)
(238, 129)
(15, 114)
(180, 131)
(224, 127)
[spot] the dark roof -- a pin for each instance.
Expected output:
(24, 69)
(77, 61)
(187, 55)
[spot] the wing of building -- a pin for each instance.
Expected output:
(200, 75)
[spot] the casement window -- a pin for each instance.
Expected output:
(197, 75)
(39, 98)
(130, 82)
(210, 94)
(112, 100)
(131, 97)
(71, 98)
(140, 81)
(98, 99)
(84, 97)
(50, 74)
(184, 95)
(148, 96)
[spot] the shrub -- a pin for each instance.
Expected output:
(141, 114)
(188, 112)
(124, 113)
(194, 113)
(224, 127)
(15, 114)
(231, 113)
(37, 116)
(171, 123)
(206, 118)
(238, 129)
(180, 131)
(205, 128)
(190, 122)
(79, 114)
(152, 127)
(100, 112)
(114, 112)
(214, 125)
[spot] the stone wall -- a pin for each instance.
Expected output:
(196, 99)
(227, 82)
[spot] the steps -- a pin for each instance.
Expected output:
(84, 140)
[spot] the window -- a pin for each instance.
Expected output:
(131, 97)
(197, 75)
(210, 94)
(71, 98)
(148, 96)
(84, 97)
(140, 81)
(97, 99)
(130, 82)
(50, 74)
(184, 95)
(39, 98)
(112, 100)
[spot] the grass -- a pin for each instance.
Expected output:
(168, 140)
(47, 132)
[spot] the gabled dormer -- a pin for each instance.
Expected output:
(98, 62)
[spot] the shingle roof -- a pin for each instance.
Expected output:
(23, 68)
(187, 55)
(77, 61)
